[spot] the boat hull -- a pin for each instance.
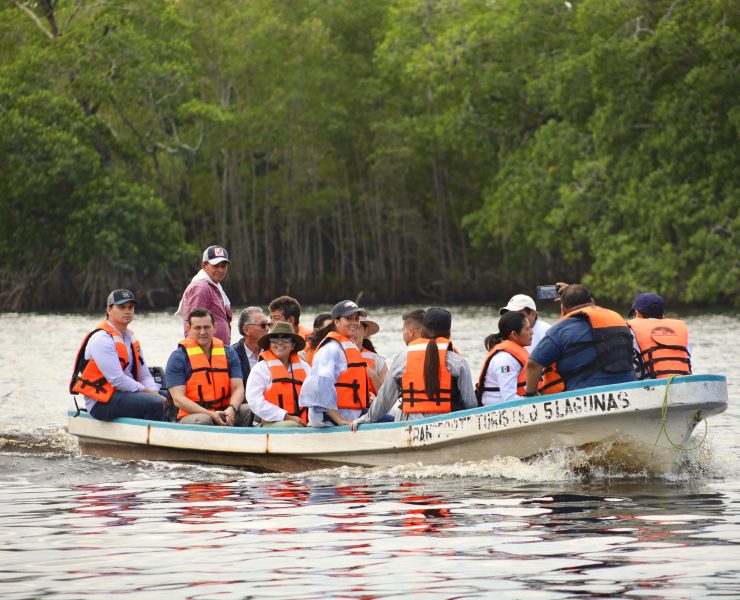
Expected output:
(630, 427)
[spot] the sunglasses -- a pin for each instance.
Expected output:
(277, 339)
(264, 325)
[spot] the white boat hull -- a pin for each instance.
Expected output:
(624, 426)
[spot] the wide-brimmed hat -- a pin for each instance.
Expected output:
(371, 327)
(282, 328)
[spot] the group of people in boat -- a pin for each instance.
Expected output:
(281, 374)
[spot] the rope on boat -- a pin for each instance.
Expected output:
(664, 417)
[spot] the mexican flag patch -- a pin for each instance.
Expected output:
(505, 369)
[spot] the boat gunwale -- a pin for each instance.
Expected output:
(652, 383)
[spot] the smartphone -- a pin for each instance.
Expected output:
(547, 292)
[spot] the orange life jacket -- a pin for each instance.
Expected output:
(414, 398)
(87, 378)
(611, 340)
(310, 353)
(519, 353)
(210, 384)
(286, 385)
(304, 332)
(664, 347)
(352, 384)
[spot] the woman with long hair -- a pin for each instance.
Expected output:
(503, 375)
(430, 376)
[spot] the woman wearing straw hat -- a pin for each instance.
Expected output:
(275, 382)
(377, 368)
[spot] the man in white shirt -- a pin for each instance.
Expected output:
(524, 304)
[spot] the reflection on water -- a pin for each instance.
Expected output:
(328, 536)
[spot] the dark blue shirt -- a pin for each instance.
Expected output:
(563, 337)
(179, 370)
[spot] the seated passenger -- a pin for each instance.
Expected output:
(662, 347)
(336, 390)
(205, 377)
(110, 371)
(321, 321)
(430, 376)
(503, 375)
(377, 368)
(275, 383)
(589, 346)
(252, 325)
(525, 305)
(412, 324)
(287, 309)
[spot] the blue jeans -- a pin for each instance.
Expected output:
(136, 405)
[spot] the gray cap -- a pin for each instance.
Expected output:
(120, 297)
(346, 308)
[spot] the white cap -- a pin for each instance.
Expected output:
(518, 302)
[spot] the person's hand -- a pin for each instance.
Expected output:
(354, 425)
(154, 392)
(559, 287)
(219, 417)
(295, 420)
(230, 414)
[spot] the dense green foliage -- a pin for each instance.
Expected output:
(448, 149)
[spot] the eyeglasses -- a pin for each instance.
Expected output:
(263, 325)
(280, 339)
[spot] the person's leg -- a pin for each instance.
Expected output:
(196, 419)
(244, 417)
(135, 405)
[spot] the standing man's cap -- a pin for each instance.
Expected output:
(650, 306)
(438, 319)
(215, 255)
(120, 297)
(518, 302)
(346, 308)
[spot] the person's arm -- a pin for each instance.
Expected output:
(102, 349)
(458, 367)
(259, 381)
(387, 394)
(534, 372)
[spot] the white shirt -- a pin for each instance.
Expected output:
(538, 332)
(502, 373)
(251, 356)
(258, 383)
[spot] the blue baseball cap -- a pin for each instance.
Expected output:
(650, 305)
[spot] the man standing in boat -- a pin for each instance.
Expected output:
(661, 345)
(205, 291)
(589, 346)
(110, 370)
(205, 377)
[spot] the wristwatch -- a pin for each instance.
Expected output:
(530, 394)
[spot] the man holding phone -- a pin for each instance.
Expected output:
(525, 305)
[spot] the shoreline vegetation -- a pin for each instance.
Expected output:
(449, 151)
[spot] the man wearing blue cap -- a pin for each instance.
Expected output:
(110, 371)
(661, 345)
(205, 291)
